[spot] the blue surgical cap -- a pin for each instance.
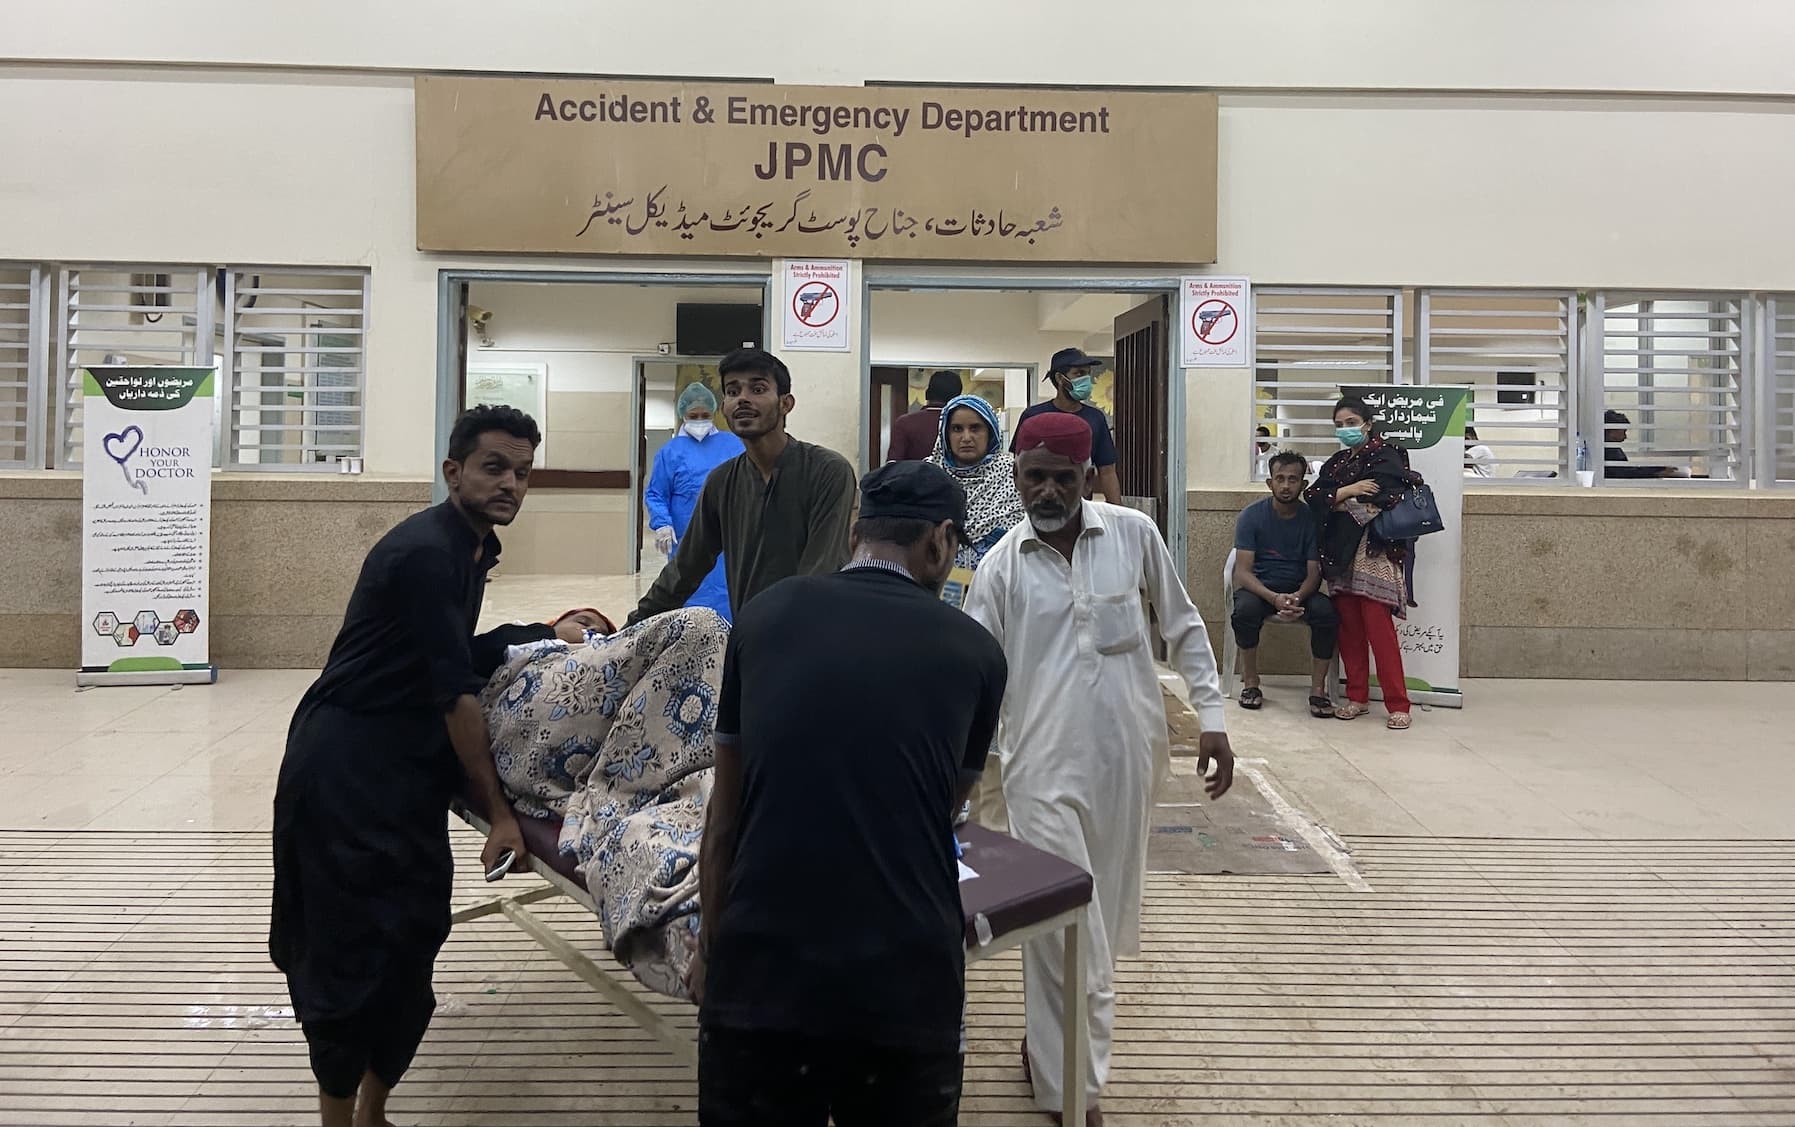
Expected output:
(696, 395)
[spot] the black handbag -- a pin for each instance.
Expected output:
(1414, 516)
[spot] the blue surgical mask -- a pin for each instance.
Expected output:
(1350, 436)
(1079, 388)
(700, 428)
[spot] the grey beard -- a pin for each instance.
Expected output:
(1052, 524)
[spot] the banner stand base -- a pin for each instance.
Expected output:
(1435, 698)
(204, 675)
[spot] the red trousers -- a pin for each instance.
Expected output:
(1367, 624)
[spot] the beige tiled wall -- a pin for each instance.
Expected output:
(285, 553)
(590, 430)
(1620, 583)
(1609, 583)
(569, 532)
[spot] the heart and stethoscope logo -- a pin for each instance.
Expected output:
(120, 447)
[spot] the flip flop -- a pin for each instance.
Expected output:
(1321, 708)
(1251, 698)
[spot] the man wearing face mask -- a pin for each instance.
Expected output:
(680, 469)
(1071, 373)
(1084, 729)
(855, 714)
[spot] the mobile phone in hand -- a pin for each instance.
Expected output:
(506, 860)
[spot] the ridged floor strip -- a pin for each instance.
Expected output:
(1482, 982)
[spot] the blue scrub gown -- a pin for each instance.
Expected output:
(672, 496)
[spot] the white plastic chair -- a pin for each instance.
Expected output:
(1231, 648)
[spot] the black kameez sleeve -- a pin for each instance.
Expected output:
(430, 591)
(488, 649)
(990, 707)
(729, 702)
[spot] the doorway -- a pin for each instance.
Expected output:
(598, 360)
(660, 381)
(1142, 400)
(902, 389)
(888, 399)
(917, 324)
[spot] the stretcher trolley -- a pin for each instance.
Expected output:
(1018, 894)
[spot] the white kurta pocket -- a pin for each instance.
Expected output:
(1116, 622)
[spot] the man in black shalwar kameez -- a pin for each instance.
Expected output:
(378, 746)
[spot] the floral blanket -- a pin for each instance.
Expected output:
(614, 739)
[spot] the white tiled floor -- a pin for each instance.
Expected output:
(1583, 909)
(195, 757)
(1556, 759)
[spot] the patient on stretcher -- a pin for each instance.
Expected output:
(612, 738)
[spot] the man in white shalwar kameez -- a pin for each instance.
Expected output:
(1083, 725)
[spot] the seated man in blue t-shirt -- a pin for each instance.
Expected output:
(1277, 572)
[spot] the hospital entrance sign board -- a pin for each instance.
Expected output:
(1215, 316)
(935, 174)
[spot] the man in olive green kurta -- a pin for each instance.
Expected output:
(779, 509)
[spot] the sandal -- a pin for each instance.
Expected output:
(1351, 710)
(1251, 698)
(1321, 708)
(1398, 722)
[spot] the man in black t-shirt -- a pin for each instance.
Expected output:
(856, 713)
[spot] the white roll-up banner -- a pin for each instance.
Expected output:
(146, 521)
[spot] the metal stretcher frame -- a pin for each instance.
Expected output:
(1070, 922)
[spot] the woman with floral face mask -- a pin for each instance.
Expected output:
(1368, 579)
(680, 468)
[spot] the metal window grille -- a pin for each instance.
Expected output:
(24, 323)
(1309, 343)
(1516, 350)
(123, 315)
(295, 366)
(1777, 453)
(1674, 366)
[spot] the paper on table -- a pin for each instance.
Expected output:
(966, 873)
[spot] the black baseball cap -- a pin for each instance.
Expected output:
(913, 490)
(1613, 416)
(1067, 359)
